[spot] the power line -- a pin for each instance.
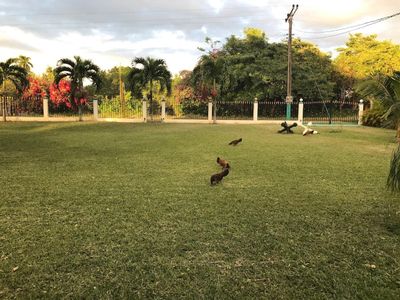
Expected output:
(348, 29)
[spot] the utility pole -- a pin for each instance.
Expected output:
(289, 97)
(121, 93)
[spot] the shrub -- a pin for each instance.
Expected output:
(373, 118)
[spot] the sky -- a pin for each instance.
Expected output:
(112, 33)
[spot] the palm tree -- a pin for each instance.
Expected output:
(76, 71)
(25, 62)
(386, 89)
(11, 71)
(210, 64)
(145, 73)
(393, 180)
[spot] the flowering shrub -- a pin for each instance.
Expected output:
(60, 96)
(31, 100)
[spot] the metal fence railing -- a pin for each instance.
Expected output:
(316, 111)
(31, 106)
(236, 110)
(113, 109)
(187, 110)
(275, 110)
(331, 111)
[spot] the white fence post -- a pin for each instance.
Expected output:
(209, 112)
(144, 109)
(95, 109)
(163, 110)
(360, 111)
(300, 112)
(215, 111)
(255, 109)
(45, 107)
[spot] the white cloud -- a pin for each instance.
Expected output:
(49, 30)
(217, 5)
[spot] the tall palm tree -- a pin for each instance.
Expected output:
(11, 71)
(145, 73)
(25, 62)
(76, 71)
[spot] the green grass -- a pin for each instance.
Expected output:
(126, 211)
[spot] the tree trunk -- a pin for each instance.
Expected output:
(80, 113)
(398, 132)
(151, 100)
(4, 102)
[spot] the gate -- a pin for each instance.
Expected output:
(112, 108)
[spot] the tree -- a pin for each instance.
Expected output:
(145, 73)
(110, 81)
(312, 72)
(76, 71)
(48, 75)
(11, 71)
(385, 89)
(365, 56)
(393, 180)
(250, 66)
(25, 62)
(208, 72)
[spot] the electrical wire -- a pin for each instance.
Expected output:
(351, 28)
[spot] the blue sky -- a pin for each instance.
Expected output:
(114, 32)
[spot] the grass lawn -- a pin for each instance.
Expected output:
(126, 211)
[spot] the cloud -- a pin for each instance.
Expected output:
(113, 32)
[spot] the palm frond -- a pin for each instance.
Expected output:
(393, 180)
(139, 61)
(66, 61)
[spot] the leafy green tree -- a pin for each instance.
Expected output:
(110, 81)
(11, 71)
(365, 56)
(209, 70)
(312, 72)
(249, 67)
(76, 71)
(149, 73)
(48, 75)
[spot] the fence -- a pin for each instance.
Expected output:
(32, 106)
(114, 109)
(321, 111)
(275, 110)
(234, 110)
(187, 110)
(331, 111)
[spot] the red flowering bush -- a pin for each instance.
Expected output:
(31, 100)
(60, 96)
(37, 87)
